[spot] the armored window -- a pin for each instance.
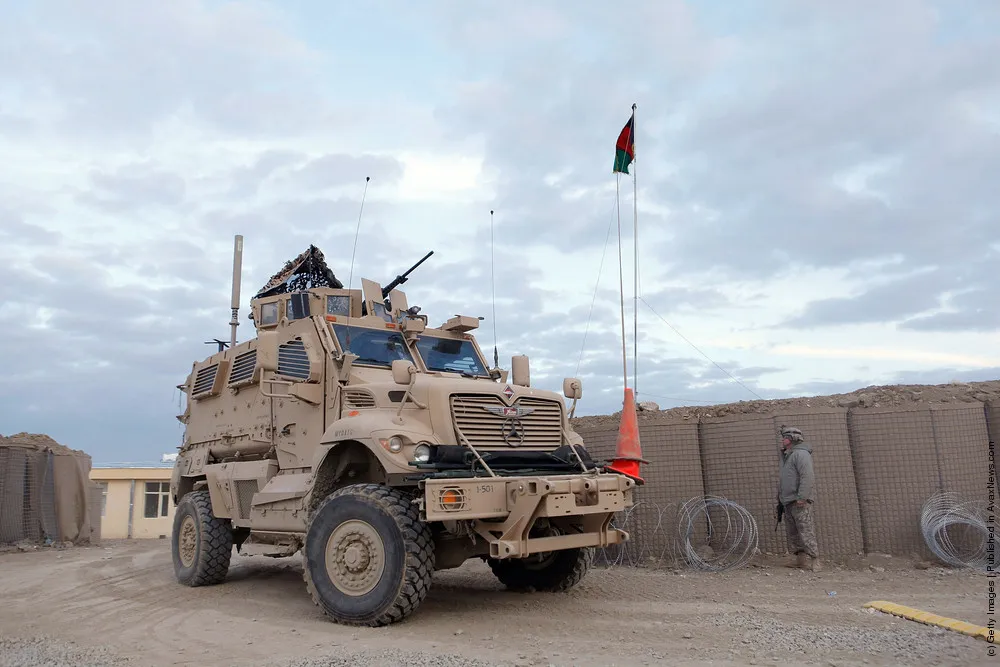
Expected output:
(297, 307)
(451, 355)
(269, 313)
(338, 305)
(157, 503)
(380, 311)
(374, 347)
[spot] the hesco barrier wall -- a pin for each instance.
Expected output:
(45, 493)
(875, 468)
(674, 475)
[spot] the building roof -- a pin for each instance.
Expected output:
(131, 472)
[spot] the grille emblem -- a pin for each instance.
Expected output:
(512, 427)
(513, 411)
(513, 431)
(507, 391)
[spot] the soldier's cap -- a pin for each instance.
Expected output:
(791, 433)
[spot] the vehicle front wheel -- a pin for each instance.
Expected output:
(202, 544)
(368, 556)
(552, 571)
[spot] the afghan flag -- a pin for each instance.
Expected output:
(625, 148)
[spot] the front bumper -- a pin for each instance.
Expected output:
(503, 510)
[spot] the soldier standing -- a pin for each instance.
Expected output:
(796, 494)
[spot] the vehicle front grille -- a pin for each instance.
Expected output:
(542, 427)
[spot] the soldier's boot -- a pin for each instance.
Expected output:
(816, 565)
(801, 561)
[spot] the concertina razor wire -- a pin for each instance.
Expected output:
(712, 534)
(956, 531)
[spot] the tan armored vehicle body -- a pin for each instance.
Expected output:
(382, 447)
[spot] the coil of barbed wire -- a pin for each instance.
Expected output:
(955, 531)
(641, 548)
(734, 534)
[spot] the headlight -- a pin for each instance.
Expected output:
(421, 453)
(393, 444)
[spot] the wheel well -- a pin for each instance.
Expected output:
(186, 486)
(349, 462)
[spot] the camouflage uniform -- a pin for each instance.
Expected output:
(801, 529)
(796, 483)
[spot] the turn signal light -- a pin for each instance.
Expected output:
(452, 499)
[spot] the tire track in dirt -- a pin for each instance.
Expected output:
(127, 596)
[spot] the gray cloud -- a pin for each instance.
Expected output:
(906, 299)
(839, 136)
(972, 311)
(118, 70)
(761, 156)
(134, 186)
(246, 181)
(675, 298)
(14, 229)
(333, 170)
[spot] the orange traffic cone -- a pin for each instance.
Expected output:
(628, 453)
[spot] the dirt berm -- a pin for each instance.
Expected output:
(881, 396)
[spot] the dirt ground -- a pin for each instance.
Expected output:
(122, 596)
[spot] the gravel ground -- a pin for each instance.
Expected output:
(59, 607)
(51, 652)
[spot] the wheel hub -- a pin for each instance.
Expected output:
(188, 542)
(542, 559)
(355, 557)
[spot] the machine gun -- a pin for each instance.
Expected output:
(399, 280)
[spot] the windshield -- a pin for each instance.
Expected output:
(377, 347)
(446, 354)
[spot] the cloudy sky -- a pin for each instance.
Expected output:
(816, 189)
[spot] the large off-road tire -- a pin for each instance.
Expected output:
(202, 544)
(555, 571)
(368, 556)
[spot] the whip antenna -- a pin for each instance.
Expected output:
(496, 353)
(237, 279)
(350, 280)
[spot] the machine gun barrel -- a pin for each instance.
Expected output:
(400, 279)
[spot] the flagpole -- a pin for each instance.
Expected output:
(635, 265)
(621, 278)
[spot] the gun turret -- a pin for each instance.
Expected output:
(400, 279)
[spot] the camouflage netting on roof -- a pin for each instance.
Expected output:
(45, 492)
(307, 270)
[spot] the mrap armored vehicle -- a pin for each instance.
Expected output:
(383, 448)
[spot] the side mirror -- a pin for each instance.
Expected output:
(402, 370)
(267, 350)
(520, 372)
(572, 388)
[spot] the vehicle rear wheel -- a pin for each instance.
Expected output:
(368, 556)
(552, 571)
(202, 544)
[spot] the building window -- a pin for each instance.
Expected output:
(104, 498)
(157, 499)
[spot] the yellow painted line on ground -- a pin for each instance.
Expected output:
(927, 618)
